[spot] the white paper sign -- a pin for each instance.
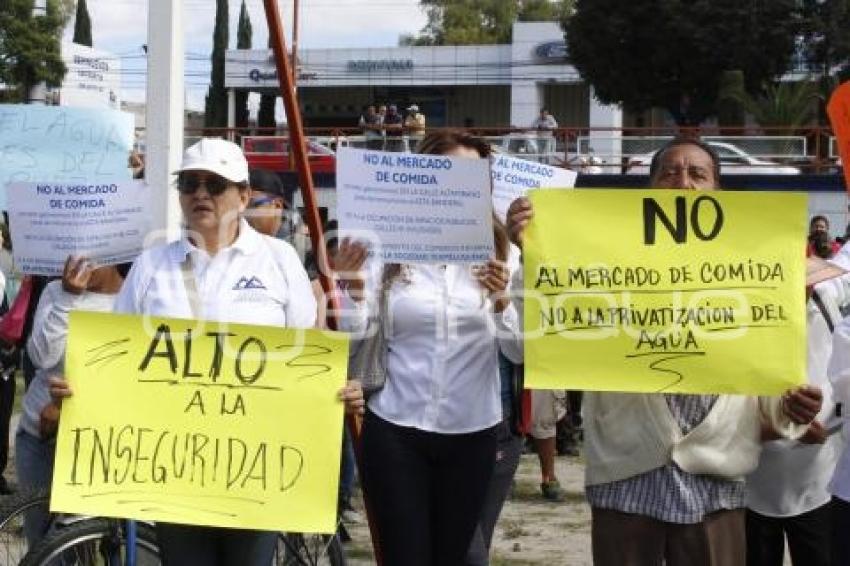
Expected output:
(106, 222)
(421, 208)
(513, 177)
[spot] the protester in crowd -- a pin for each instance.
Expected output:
(372, 125)
(430, 434)
(547, 408)
(393, 130)
(219, 262)
(510, 433)
(787, 494)
(267, 203)
(510, 441)
(414, 123)
(664, 472)
(820, 243)
(569, 428)
(838, 371)
(323, 301)
(7, 386)
(82, 287)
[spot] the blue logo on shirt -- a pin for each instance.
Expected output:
(246, 283)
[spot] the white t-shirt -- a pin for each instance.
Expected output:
(792, 478)
(256, 280)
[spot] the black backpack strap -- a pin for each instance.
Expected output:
(822, 308)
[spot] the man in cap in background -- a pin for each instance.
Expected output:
(415, 125)
(268, 201)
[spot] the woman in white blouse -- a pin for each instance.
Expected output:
(221, 270)
(429, 435)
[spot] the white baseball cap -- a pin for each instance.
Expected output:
(217, 156)
(413, 108)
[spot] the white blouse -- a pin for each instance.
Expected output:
(443, 342)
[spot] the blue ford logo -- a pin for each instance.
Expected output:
(551, 50)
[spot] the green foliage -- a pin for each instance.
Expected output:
(82, 25)
(480, 22)
(216, 101)
(672, 54)
(730, 106)
(826, 41)
(29, 46)
(791, 104)
(244, 37)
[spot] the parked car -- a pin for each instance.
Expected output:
(733, 160)
(272, 153)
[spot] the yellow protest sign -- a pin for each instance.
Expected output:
(665, 291)
(201, 423)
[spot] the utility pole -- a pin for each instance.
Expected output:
(164, 111)
(295, 43)
(38, 92)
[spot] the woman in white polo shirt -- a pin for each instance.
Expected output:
(429, 436)
(221, 270)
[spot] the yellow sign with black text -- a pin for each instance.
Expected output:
(201, 423)
(665, 291)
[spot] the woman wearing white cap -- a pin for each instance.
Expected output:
(202, 276)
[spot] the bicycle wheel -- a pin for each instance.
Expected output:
(297, 549)
(13, 509)
(93, 542)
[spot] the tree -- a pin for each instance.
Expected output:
(82, 25)
(784, 104)
(825, 41)
(477, 22)
(216, 101)
(244, 37)
(673, 54)
(29, 46)
(268, 101)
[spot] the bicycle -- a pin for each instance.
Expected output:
(13, 543)
(85, 541)
(301, 549)
(71, 539)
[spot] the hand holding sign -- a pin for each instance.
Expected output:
(76, 274)
(520, 213)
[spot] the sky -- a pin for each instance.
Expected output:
(120, 27)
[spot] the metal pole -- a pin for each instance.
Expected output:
(298, 149)
(164, 109)
(295, 27)
(37, 93)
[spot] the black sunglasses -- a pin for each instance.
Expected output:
(188, 184)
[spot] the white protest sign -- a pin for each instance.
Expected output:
(60, 144)
(513, 177)
(421, 208)
(106, 222)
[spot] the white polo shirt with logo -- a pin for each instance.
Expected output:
(256, 280)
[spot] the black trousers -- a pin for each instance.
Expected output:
(187, 545)
(507, 460)
(7, 400)
(840, 532)
(808, 538)
(426, 490)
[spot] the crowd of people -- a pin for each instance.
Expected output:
(716, 480)
(386, 129)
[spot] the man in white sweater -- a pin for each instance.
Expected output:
(664, 474)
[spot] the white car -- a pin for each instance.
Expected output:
(733, 161)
